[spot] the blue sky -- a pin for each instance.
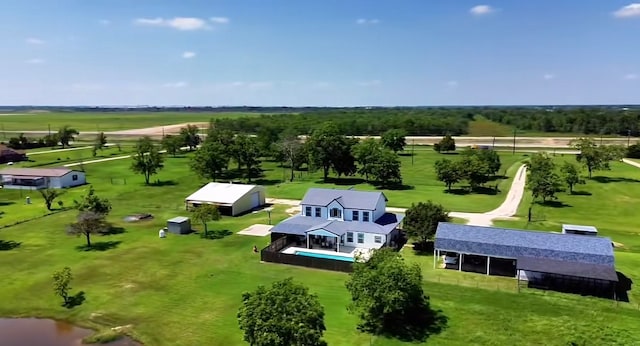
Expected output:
(319, 53)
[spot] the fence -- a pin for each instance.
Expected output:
(272, 254)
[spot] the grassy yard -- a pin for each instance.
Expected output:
(184, 290)
(104, 121)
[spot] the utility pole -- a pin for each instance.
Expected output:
(493, 144)
(3, 134)
(49, 129)
(628, 137)
(514, 140)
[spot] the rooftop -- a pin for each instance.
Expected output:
(349, 199)
(588, 229)
(300, 225)
(223, 193)
(178, 219)
(36, 172)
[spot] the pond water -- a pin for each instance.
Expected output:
(37, 332)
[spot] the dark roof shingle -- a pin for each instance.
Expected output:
(349, 199)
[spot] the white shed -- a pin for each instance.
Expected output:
(231, 199)
(179, 225)
(579, 229)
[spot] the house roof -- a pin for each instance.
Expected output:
(300, 225)
(510, 243)
(585, 270)
(178, 219)
(221, 193)
(349, 199)
(36, 172)
(5, 150)
(588, 229)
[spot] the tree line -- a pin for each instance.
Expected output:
(475, 167)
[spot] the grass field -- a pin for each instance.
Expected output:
(105, 121)
(184, 290)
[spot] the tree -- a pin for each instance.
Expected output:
(571, 175)
(205, 213)
(209, 160)
(100, 142)
(492, 159)
(50, 195)
(386, 170)
(633, 152)
(421, 220)
(474, 170)
(367, 153)
(91, 202)
(62, 284)
(293, 151)
(343, 162)
(448, 172)
(266, 137)
(282, 315)
(596, 157)
(387, 296)
(394, 140)
(190, 136)
(88, 223)
(543, 181)
(171, 144)
(147, 160)
(51, 140)
(322, 145)
(67, 134)
(249, 155)
(447, 143)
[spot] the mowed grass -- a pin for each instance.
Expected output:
(184, 290)
(105, 121)
(481, 127)
(609, 201)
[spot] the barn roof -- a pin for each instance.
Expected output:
(221, 193)
(510, 243)
(585, 270)
(349, 199)
(36, 172)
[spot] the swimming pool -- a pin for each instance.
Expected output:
(322, 255)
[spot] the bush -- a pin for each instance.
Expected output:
(633, 151)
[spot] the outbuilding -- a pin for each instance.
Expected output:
(579, 229)
(179, 225)
(231, 199)
(41, 178)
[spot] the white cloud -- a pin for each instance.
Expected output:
(549, 76)
(219, 20)
(365, 21)
(259, 85)
(104, 21)
(629, 11)
(481, 10)
(371, 83)
(631, 76)
(178, 23)
(35, 41)
(176, 85)
(35, 61)
(452, 83)
(188, 55)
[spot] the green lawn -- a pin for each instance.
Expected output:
(105, 121)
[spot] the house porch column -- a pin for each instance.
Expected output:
(460, 262)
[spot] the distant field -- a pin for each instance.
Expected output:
(105, 121)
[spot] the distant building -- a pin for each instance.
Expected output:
(11, 155)
(41, 178)
(231, 199)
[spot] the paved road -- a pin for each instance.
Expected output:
(632, 163)
(57, 150)
(505, 211)
(109, 159)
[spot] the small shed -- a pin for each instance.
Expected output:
(179, 225)
(579, 229)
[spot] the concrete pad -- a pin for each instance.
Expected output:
(257, 230)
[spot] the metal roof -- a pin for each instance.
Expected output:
(510, 243)
(585, 270)
(588, 229)
(178, 219)
(349, 199)
(222, 193)
(300, 225)
(36, 172)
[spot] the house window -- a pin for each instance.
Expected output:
(378, 239)
(318, 212)
(307, 211)
(365, 216)
(74, 177)
(335, 212)
(349, 237)
(360, 238)
(354, 215)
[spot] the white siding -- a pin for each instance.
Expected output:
(369, 240)
(337, 205)
(245, 203)
(67, 180)
(381, 207)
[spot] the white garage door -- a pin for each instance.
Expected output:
(255, 200)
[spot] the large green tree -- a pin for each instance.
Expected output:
(172, 144)
(210, 160)
(448, 172)
(100, 141)
(190, 136)
(147, 160)
(343, 162)
(387, 297)
(542, 180)
(386, 170)
(204, 214)
(249, 156)
(446, 144)
(595, 157)
(284, 314)
(394, 140)
(322, 146)
(66, 134)
(93, 203)
(367, 153)
(421, 220)
(571, 175)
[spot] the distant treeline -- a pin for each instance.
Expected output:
(357, 121)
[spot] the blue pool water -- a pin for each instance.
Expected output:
(321, 255)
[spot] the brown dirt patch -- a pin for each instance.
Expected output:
(160, 130)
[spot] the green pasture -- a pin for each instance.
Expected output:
(184, 290)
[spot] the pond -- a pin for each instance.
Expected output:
(35, 331)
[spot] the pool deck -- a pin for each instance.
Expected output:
(345, 251)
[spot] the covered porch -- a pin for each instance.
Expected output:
(324, 240)
(23, 182)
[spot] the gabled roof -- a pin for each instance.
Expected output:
(5, 150)
(36, 172)
(349, 199)
(300, 225)
(510, 243)
(585, 270)
(222, 193)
